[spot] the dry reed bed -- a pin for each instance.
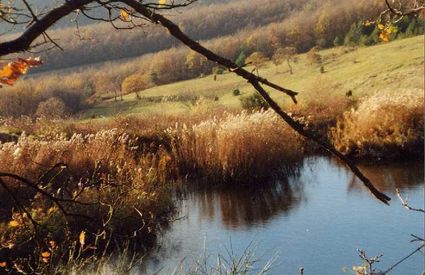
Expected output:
(131, 198)
(385, 125)
(134, 173)
(236, 147)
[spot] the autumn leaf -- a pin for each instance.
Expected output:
(384, 36)
(367, 23)
(162, 2)
(32, 62)
(124, 15)
(3, 264)
(45, 254)
(82, 238)
(11, 72)
(381, 26)
(14, 223)
(391, 29)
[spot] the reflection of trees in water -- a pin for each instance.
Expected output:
(389, 176)
(245, 205)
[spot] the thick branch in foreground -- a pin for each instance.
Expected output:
(24, 41)
(39, 27)
(177, 33)
(255, 82)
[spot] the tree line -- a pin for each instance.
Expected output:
(278, 41)
(202, 22)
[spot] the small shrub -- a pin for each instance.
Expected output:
(52, 108)
(254, 102)
(217, 70)
(135, 82)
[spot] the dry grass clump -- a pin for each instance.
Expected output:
(237, 147)
(118, 188)
(116, 153)
(385, 125)
(115, 187)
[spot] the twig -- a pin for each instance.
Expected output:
(24, 41)
(255, 82)
(405, 258)
(406, 205)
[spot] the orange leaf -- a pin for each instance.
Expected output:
(124, 15)
(82, 238)
(32, 62)
(11, 72)
(384, 36)
(45, 254)
(14, 223)
(3, 264)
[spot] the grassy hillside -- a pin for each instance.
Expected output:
(394, 66)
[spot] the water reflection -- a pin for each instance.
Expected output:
(406, 175)
(305, 215)
(249, 205)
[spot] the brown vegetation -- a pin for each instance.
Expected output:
(244, 147)
(117, 182)
(88, 84)
(232, 148)
(385, 125)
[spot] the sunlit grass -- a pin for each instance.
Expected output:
(397, 65)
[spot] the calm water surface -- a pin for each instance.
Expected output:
(316, 218)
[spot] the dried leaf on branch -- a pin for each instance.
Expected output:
(10, 72)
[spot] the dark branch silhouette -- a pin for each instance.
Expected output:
(148, 11)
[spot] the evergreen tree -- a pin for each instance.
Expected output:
(411, 29)
(374, 36)
(353, 35)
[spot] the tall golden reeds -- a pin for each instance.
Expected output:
(236, 147)
(384, 125)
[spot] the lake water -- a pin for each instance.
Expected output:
(316, 218)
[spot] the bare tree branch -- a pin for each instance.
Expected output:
(23, 42)
(405, 258)
(38, 28)
(406, 204)
(416, 9)
(255, 82)
(396, 14)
